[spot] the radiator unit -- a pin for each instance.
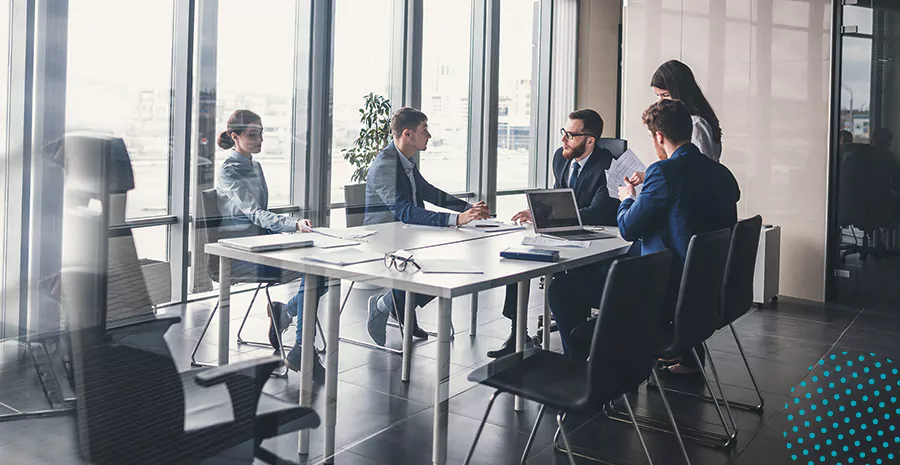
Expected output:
(765, 277)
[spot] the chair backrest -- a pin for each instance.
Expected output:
(355, 201)
(213, 226)
(625, 340)
(698, 309)
(737, 285)
(127, 298)
(616, 146)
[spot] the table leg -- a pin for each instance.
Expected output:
(310, 314)
(333, 327)
(224, 308)
(473, 324)
(442, 383)
(546, 336)
(521, 326)
(408, 326)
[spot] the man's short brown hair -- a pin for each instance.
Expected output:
(593, 123)
(406, 118)
(671, 118)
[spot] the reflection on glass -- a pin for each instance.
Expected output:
(856, 76)
(362, 65)
(859, 17)
(445, 92)
(119, 81)
(4, 70)
(518, 40)
(258, 75)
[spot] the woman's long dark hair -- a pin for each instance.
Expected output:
(676, 78)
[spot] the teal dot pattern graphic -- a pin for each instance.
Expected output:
(846, 411)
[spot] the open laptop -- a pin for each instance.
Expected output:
(554, 213)
(267, 242)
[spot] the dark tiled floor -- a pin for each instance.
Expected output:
(382, 420)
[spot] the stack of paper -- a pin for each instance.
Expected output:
(493, 226)
(541, 241)
(621, 168)
(344, 256)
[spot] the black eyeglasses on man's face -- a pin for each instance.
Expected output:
(571, 135)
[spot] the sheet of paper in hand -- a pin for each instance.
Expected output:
(623, 167)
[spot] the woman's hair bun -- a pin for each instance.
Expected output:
(225, 141)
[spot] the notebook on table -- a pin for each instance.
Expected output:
(530, 253)
(554, 213)
(267, 242)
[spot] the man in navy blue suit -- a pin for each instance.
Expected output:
(581, 166)
(396, 191)
(685, 193)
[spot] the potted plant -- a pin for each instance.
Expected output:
(375, 117)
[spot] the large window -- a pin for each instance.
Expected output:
(119, 82)
(445, 91)
(5, 31)
(518, 41)
(255, 70)
(362, 65)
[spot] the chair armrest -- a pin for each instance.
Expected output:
(248, 368)
(585, 332)
(244, 380)
(145, 323)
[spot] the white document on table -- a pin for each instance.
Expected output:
(541, 241)
(492, 226)
(344, 256)
(621, 168)
(443, 266)
(324, 242)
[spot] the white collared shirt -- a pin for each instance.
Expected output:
(581, 163)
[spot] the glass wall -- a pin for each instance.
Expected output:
(5, 31)
(515, 141)
(445, 91)
(866, 254)
(119, 82)
(255, 70)
(4, 74)
(362, 65)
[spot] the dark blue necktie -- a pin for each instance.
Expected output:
(573, 179)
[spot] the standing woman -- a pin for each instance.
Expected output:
(674, 80)
(245, 195)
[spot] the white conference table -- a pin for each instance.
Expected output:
(480, 249)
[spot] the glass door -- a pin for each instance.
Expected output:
(866, 207)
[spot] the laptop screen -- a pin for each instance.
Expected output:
(553, 209)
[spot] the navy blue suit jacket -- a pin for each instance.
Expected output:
(685, 195)
(389, 194)
(595, 205)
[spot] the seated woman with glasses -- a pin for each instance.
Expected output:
(246, 196)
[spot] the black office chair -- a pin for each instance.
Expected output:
(737, 294)
(697, 316)
(215, 227)
(134, 407)
(616, 146)
(622, 353)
